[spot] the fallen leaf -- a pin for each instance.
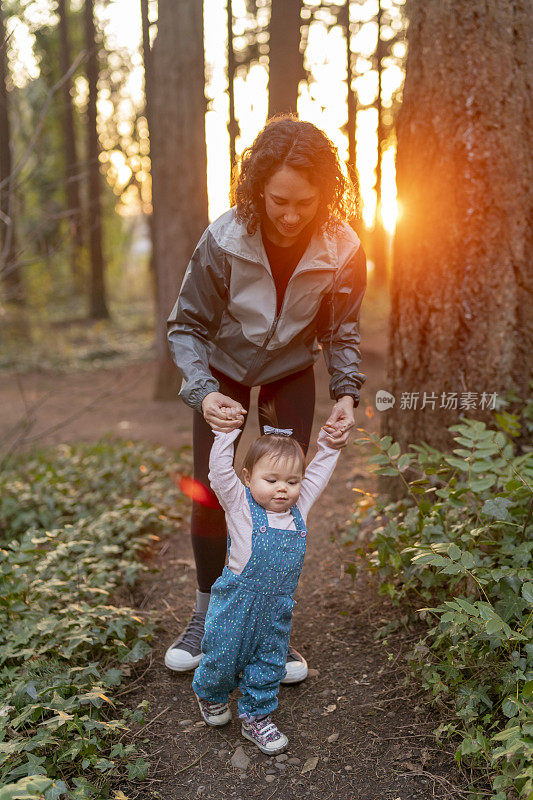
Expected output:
(333, 737)
(331, 708)
(104, 697)
(309, 765)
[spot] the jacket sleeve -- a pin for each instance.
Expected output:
(195, 319)
(338, 328)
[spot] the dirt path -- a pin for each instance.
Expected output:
(356, 728)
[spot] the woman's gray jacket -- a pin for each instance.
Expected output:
(225, 315)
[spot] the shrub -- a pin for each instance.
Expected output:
(74, 522)
(458, 549)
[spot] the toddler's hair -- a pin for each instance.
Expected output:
(275, 446)
(278, 448)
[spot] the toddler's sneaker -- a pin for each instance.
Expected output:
(214, 714)
(265, 734)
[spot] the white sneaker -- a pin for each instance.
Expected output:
(185, 653)
(265, 734)
(214, 714)
(296, 667)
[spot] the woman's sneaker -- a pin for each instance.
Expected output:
(186, 651)
(265, 734)
(214, 714)
(296, 667)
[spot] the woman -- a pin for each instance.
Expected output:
(273, 278)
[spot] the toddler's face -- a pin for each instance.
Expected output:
(275, 485)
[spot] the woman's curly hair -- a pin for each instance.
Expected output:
(287, 141)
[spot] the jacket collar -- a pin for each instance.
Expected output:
(232, 237)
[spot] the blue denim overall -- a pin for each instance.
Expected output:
(248, 622)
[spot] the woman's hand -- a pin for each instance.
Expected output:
(340, 422)
(222, 413)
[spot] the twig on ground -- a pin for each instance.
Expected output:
(170, 611)
(133, 685)
(196, 760)
(164, 549)
(146, 596)
(439, 779)
(145, 727)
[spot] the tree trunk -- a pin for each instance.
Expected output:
(147, 59)
(344, 19)
(379, 252)
(148, 89)
(285, 61)
(233, 126)
(462, 278)
(179, 161)
(98, 305)
(72, 166)
(9, 268)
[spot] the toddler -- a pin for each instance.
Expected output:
(249, 618)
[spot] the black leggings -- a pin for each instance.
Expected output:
(294, 401)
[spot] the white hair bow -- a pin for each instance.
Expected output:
(277, 431)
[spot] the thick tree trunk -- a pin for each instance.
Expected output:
(72, 166)
(179, 161)
(285, 61)
(9, 268)
(462, 281)
(98, 305)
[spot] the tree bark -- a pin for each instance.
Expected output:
(462, 280)
(179, 161)
(285, 61)
(148, 89)
(233, 126)
(10, 272)
(72, 166)
(351, 99)
(98, 304)
(147, 59)
(379, 255)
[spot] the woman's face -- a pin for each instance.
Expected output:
(291, 203)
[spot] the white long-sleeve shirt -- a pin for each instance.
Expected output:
(231, 493)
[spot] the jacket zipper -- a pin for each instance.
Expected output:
(273, 327)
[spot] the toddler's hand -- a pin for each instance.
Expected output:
(222, 413)
(340, 422)
(335, 434)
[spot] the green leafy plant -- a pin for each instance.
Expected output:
(458, 550)
(75, 523)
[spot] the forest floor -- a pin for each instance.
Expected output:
(358, 727)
